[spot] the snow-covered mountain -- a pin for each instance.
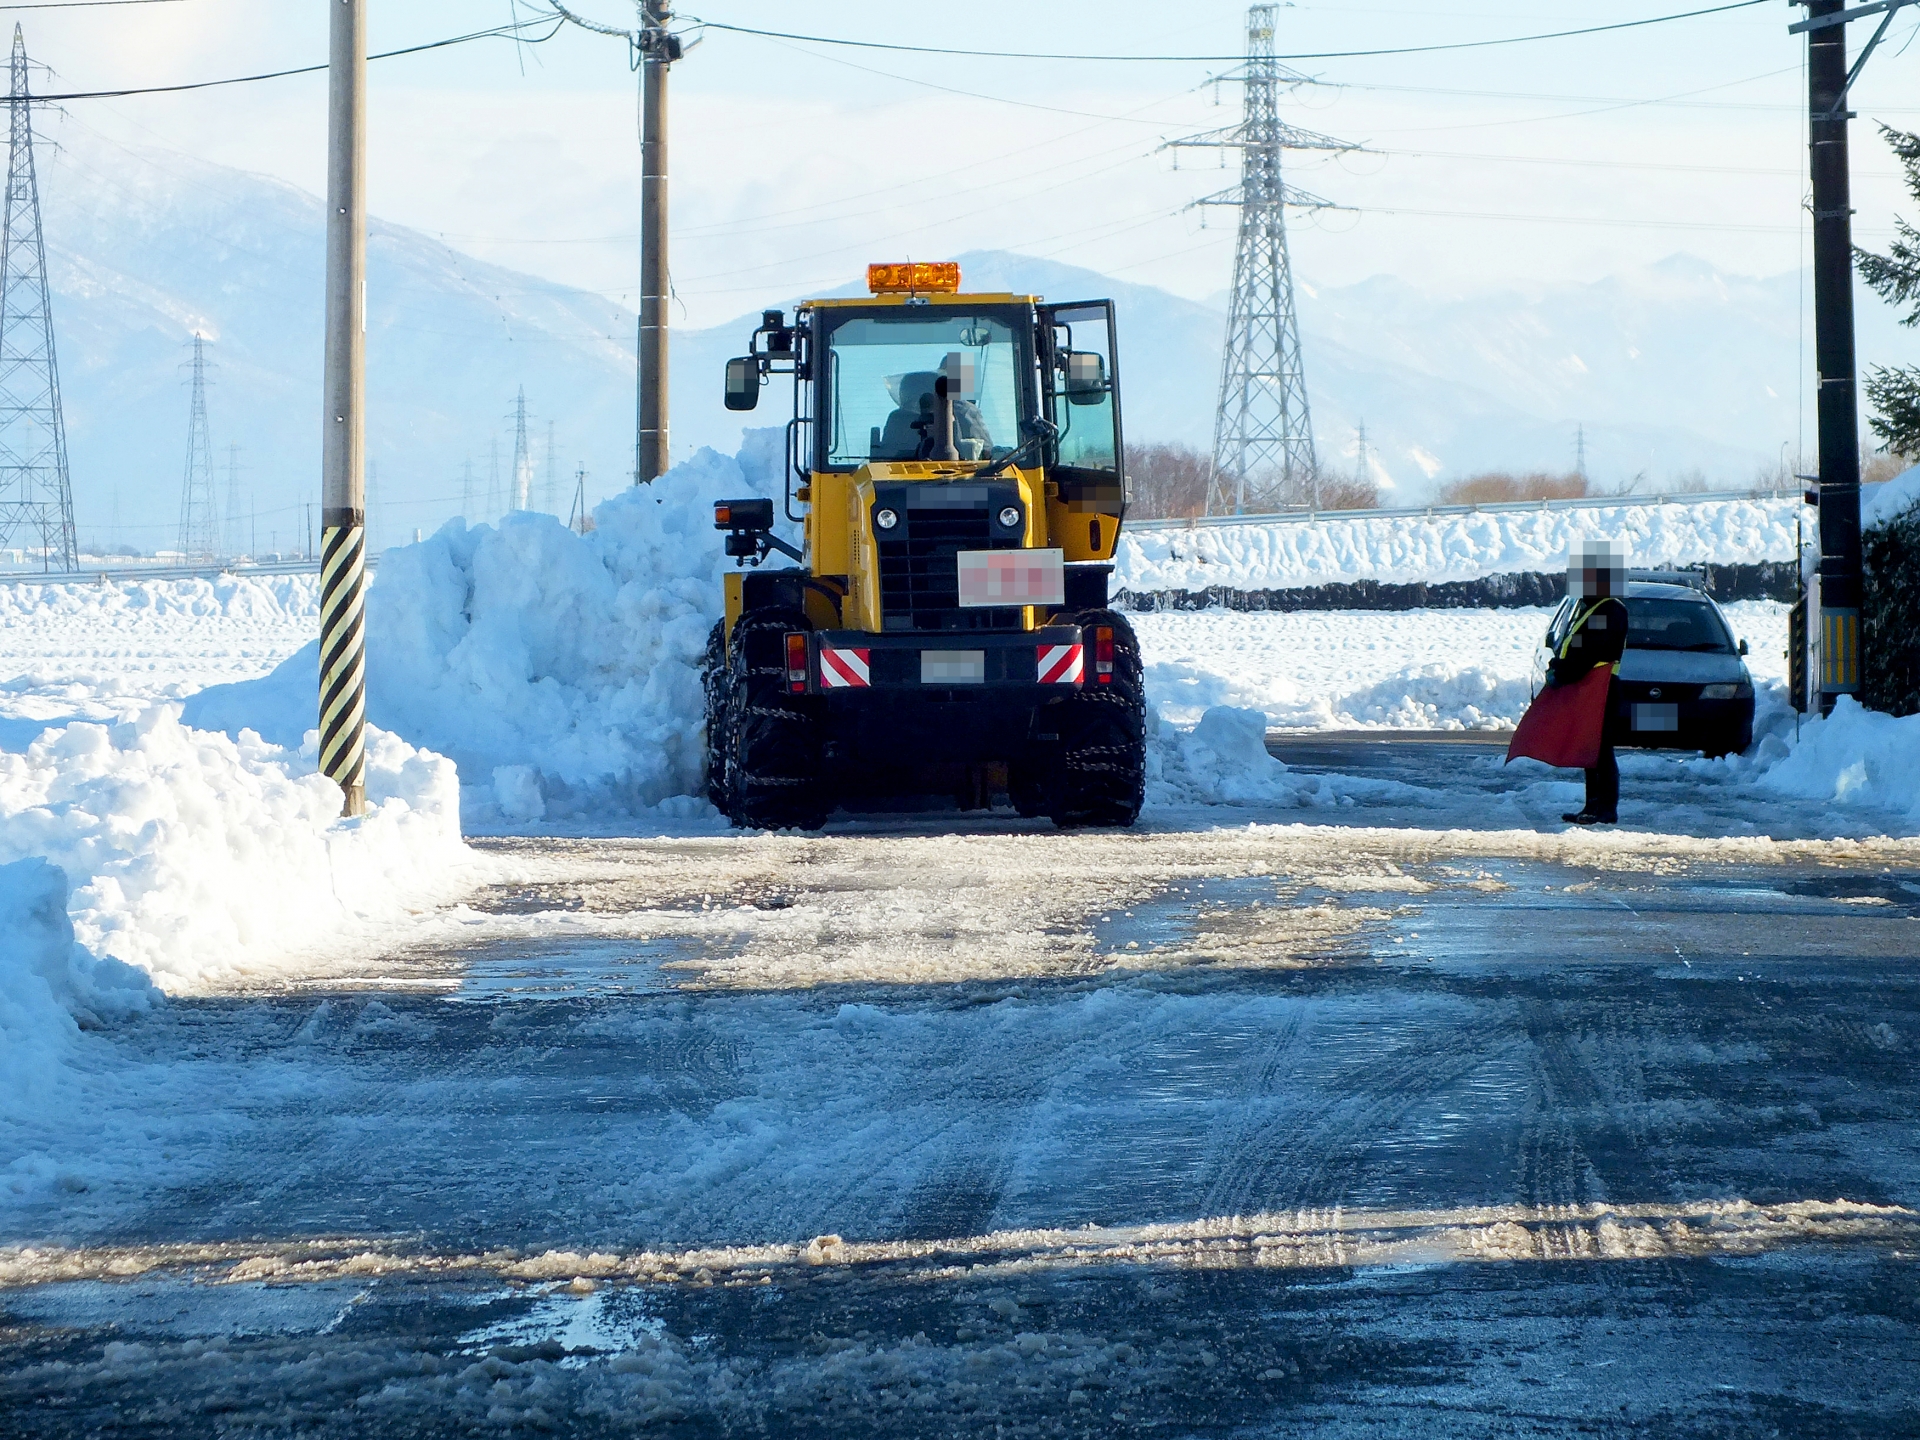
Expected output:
(1670, 369)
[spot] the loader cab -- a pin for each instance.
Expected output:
(919, 374)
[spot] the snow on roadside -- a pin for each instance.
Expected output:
(1366, 669)
(1287, 554)
(1223, 760)
(202, 859)
(1853, 758)
(560, 672)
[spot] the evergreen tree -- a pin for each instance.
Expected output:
(1895, 277)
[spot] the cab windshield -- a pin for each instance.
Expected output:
(881, 375)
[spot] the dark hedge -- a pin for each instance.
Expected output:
(1890, 617)
(1771, 580)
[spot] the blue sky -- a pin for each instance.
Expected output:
(795, 164)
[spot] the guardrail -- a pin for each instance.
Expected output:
(163, 572)
(1585, 502)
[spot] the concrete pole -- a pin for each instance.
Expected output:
(1836, 405)
(650, 447)
(343, 669)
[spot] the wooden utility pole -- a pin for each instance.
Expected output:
(658, 51)
(343, 668)
(1836, 405)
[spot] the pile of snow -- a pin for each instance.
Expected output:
(1854, 757)
(1880, 504)
(198, 857)
(1223, 760)
(131, 605)
(560, 672)
(1289, 554)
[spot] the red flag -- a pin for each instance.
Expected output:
(1564, 723)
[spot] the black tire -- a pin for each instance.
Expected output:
(713, 682)
(1102, 767)
(774, 770)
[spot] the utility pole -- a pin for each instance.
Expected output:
(1580, 452)
(658, 50)
(1262, 431)
(466, 490)
(1836, 407)
(577, 512)
(343, 654)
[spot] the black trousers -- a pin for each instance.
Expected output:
(1603, 784)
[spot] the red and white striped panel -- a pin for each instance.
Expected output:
(843, 669)
(1060, 664)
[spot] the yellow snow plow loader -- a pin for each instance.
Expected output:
(955, 462)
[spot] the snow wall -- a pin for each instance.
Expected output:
(1441, 549)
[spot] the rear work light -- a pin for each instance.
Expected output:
(936, 277)
(797, 661)
(1103, 654)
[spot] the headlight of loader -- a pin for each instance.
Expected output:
(885, 519)
(1737, 691)
(1010, 517)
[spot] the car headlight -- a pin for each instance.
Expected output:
(1736, 691)
(1010, 516)
(885, 519)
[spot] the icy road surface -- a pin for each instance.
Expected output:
(925, 1128)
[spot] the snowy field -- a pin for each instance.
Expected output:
(1424, 670)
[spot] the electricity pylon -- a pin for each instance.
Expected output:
(199, 525)
(522, 456)
(236, 528)
(36, 496)
(1263, 456)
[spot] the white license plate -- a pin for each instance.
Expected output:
(1656, 717)
(953, 667)
(1012, 577)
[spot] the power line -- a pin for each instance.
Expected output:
(1225, 59)
(84, 4)
(513, 30)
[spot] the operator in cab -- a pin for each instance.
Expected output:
(1596, 579)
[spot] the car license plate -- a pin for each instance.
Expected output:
(1656, 717)
(1012, 577)
(953, 667)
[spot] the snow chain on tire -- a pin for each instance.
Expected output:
(774, 770)
(713, 684)
(1101, 779)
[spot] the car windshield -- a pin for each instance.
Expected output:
(1658, 623)
(881, 374)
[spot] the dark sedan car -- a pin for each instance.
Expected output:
(1682, 683)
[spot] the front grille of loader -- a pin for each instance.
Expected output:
(919, 576)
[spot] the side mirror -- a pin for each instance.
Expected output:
(1743, 647)
(743, 383)
(1086, 377)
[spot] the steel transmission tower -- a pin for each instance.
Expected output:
(1263, 455)
(522, 456)
(36, 497)
(199, 523)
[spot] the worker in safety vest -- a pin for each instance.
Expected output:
(1597, 636)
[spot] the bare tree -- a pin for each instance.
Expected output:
(1169, 482)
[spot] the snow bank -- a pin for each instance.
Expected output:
(1433, 548)
(121, 603)
(1854, 757)
(1223, 760)
(560, 672)
(199, 857)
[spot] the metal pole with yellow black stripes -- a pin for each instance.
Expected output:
(343, 644)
